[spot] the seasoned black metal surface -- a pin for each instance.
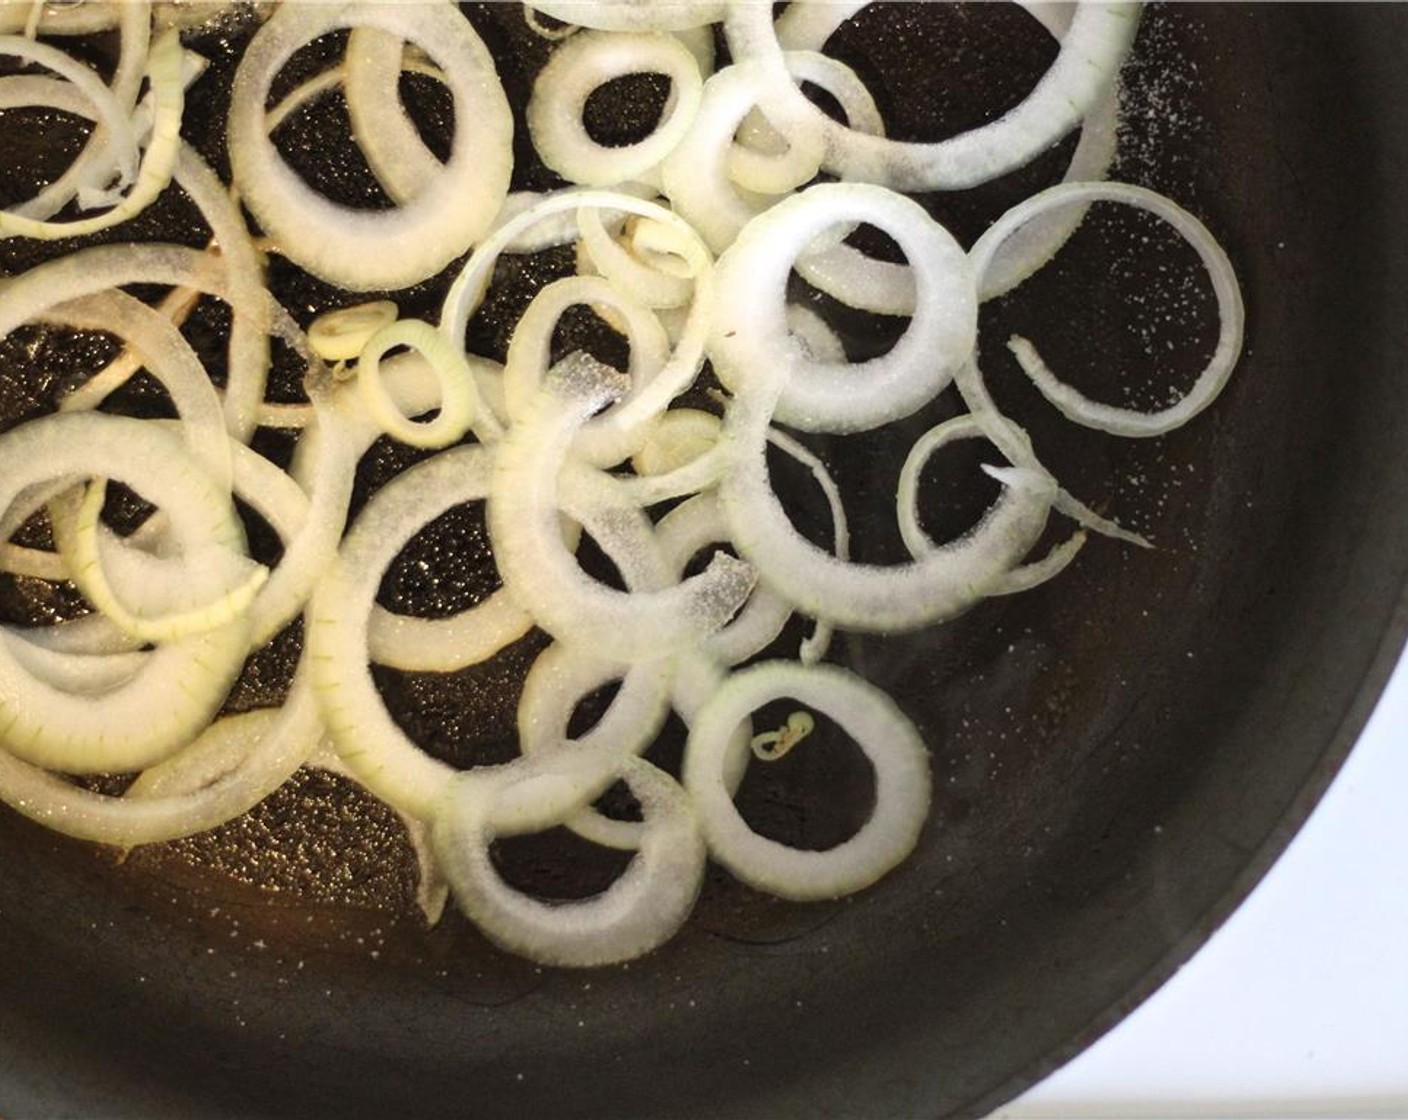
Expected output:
(1117, 755)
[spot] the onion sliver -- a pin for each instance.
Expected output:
(939, 586)
(687, 529)
(578, 67)
(375, 749)
(99, 160)
(641, 910)
(1074, 405)
(362, 250)
(886, 735)
(165, 70)
(754, 352)
(371, 84)
(684, 364)
(696, 175)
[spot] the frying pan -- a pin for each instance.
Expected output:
(1118, 755)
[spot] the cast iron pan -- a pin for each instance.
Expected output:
(1118, 756)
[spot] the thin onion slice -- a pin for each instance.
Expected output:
(1074, 405)
(638, 912)
(890, 742)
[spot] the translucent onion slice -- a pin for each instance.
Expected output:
(919, 542)
(375, 749)
(617, 257)
(680, 371)
(891, 744)
(886, 288)
(100, 159)
(761, 160)
(581, 65)
(1076, 406)
(362, 250)
(641, 910)
(119, 148)
(168, 357)
(371, 81)
(1091, 52)
(457, 396)
(264, 747)
(688, 529)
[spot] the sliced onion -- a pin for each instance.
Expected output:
(165, 70)
(696, 174)
(638, 912)
(754, 353)
(890, 742)
(1076, 406)
(634, 15)
(544, 578)
(560, 679)
(1091, 52)
(183, 682)
(362, 250)
(583, 64)
(529, 354)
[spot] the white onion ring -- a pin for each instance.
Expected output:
(890, 742)
(638, 912)
(361, 250)
(1231, 314)
(581, 65)
(750, 339)
(1091, 53)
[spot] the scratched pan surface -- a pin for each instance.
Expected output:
(1118, 756)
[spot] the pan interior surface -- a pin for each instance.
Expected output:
(1117, 755)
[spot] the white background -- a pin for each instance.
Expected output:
(1298, 1006)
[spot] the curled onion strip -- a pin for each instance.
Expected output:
(684, 364)
(1231, 315)
(545, 578)
(183, 682)
(634, 15)
(920, 544)
(560, 678)
(371, 77)
(457, 389)
(165, 71)
(529, 354)
(696, 174)
(269, 746)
